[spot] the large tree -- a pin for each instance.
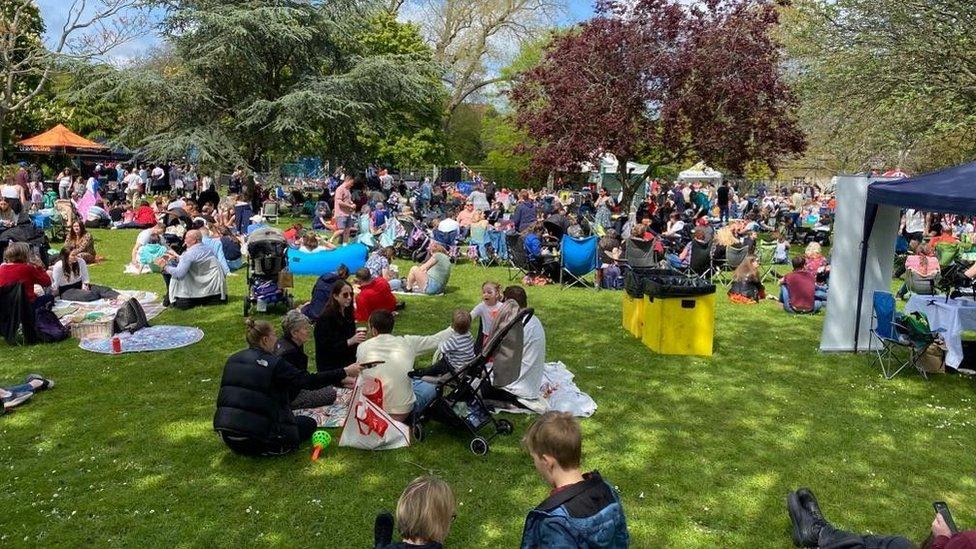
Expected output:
(658, 81)
(90, 30)
(262, 81)
(885, 82)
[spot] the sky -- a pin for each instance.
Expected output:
(54, 13)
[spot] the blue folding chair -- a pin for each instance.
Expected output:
(886, 329)
(577, 259)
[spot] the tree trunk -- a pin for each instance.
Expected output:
(626, 185)
(3, 133)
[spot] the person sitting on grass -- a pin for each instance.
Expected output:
(401, 395)
(582, 509)
(799, 292)
(455, 352)
(781, 256)
(295, 331)
(424, 514)
(193, 278)
(81, 242)
(374, 295)
(253, 415)
(18, 394)
(70, 280)
(23, 267)
(747, 286)
(432, 275)
(811, 529)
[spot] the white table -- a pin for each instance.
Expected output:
(954, 316)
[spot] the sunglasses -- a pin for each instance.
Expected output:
(345, 294)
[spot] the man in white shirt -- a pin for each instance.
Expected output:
(133, 184)
(529, 382)
(401, 395)
(913, 225)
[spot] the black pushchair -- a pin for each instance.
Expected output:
(415, 242)
(459, 402)
(267, 252)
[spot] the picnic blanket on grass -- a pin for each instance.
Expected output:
(333, 415)
(559, 393)
(418, 294)
(153, 338)
(104, 309)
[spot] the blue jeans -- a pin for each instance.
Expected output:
(23, 388)
(424, 393)
(675, 261)
(723, 214)
(819, 298)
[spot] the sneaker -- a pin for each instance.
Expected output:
(45, 382)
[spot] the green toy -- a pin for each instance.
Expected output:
(320, 441)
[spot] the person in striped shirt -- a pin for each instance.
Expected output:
(456, 351)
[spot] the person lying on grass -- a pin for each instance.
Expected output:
(582, 510)
(253, 415)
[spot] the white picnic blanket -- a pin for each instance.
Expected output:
(559, 393)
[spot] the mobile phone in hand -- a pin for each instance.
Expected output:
(943, 509)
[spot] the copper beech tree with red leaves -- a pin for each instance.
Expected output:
(657, 81)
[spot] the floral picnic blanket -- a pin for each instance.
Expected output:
(104, 309)
(153, 338)
(333, 415)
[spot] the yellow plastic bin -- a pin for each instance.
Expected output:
(633, 314)
(682, 324)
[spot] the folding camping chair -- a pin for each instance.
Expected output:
(483, 249)
(734, 256)
(270, 212)
(887, 330)
(765, 253)
(700, 262)
(921, 285)
(577, 259)
(518, 258)
(946, 252)
(639, 253)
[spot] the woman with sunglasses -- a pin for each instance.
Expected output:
(335, 333)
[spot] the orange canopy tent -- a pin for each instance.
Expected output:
(60, 140)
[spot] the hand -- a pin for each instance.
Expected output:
(356, 339)
(349, 383)
(353, 370)
(940, 528)
(160, 262)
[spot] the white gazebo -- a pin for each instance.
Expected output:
(702, 173)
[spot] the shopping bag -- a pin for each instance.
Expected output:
(368, 426)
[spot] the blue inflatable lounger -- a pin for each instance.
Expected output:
(320, 263)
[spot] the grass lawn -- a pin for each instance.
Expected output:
(703, 451)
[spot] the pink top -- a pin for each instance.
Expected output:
(921, 264)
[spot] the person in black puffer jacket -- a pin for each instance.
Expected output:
(253, 414)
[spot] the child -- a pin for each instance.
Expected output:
(424, 514)
(782, 254)
(456, 351)
(582, 509)
(487, 310)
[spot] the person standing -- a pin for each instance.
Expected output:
(723, 194)
(344, 207)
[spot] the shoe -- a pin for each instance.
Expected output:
(383, 530)
(810, 504)
(45, 382)
(16, 399)
(806, 527)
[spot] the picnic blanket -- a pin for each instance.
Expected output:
(153, 338)
(418, 294)
(559, 393)
(333, 415)
(104, 309)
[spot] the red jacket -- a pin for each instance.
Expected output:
(28, 274)
(145, 216)
(374, 296)
(962, 540)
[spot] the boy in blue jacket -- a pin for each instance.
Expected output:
(582, 510)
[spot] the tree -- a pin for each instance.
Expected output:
(26, 65)
(885, 82)
(470, 36)
(657, 81)
(261, 82)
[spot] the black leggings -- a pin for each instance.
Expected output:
(251, 447)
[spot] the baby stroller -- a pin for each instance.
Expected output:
(414, 245)
(459, 402)
(267, 252)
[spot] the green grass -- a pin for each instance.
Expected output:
(703, 451)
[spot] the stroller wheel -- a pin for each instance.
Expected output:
(504, 426)
(479, 446)
(417, 430)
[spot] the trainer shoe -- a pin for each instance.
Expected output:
(805, 526)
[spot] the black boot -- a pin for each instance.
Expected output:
(806, 526)
(383, 530)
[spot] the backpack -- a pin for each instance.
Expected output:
(48, 326)
(130, 317)
(915, 327)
